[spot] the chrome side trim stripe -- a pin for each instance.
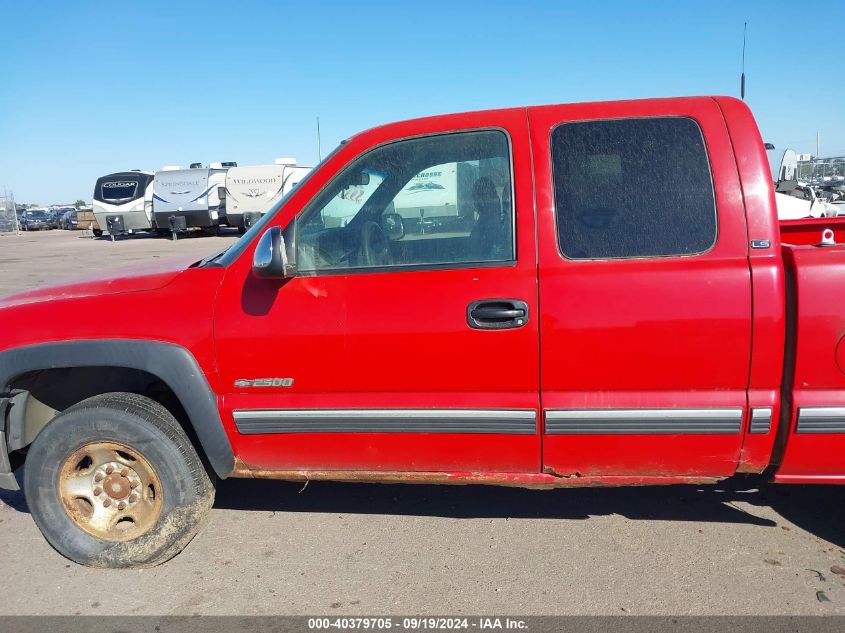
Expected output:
(505, 421)
(643, 421)
(761, 420)
(821, 420)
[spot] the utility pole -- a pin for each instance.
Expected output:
(817, 144)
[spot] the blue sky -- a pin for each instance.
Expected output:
(87, 88)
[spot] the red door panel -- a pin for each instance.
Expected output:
(625, 340)
(390, 347)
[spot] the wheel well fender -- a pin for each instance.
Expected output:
(174, 365)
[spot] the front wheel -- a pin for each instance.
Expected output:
(115, 482)
(97, 232)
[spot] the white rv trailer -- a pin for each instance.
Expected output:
(253, 190)
(193, 194)
(442, 192)
(124, 201)
(438, 198)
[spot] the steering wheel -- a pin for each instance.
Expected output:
(374, 250)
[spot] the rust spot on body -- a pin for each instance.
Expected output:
(548, 479)
(551, 471)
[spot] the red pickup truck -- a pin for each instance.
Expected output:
(567, 295)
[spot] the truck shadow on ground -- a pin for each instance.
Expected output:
(815, 509)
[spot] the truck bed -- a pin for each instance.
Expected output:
(809, 230)
(811, 436)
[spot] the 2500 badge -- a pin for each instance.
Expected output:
(263, 382)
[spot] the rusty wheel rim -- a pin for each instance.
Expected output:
(111, 491)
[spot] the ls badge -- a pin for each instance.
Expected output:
(264, 382)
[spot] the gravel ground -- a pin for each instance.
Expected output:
(745, 547)
(33, 259)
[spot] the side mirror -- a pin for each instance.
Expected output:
(270, 260)
(393, 226)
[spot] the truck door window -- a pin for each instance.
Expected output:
(425, 202)
(632, 188)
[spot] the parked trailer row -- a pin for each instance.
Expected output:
(175, 199)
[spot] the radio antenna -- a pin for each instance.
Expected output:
(319, 153)
(742, 78)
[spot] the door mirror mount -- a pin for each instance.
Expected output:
(270, 260)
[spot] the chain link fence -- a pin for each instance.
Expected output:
(823, 171)
(8, 216)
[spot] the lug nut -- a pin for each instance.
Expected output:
(106, 503)
(98, 491)
(133, 484)
(109, 469)
(121, 505)
(133, 498)
(124, 472)
(99, 477)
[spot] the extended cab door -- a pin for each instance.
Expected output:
(408, 340)
(644, 289)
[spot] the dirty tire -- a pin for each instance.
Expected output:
(146, 427)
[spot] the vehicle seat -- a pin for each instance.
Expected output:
(486, 240)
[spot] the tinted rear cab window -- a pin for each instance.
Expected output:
(632, 188)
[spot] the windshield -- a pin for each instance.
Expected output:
(36, 215)
(229, 255)
(118, 190)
